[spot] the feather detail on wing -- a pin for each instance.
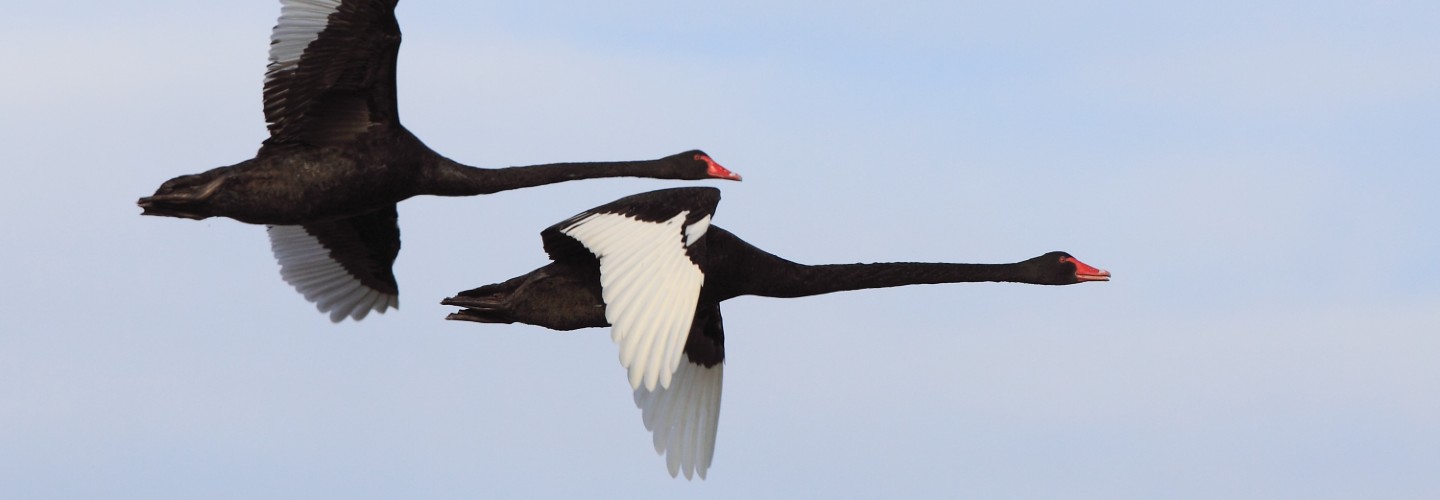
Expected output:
(332, 70)
(650, 286)
(684, 417)
(343, 266)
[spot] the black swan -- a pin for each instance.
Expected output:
(652, 266)
(337, 160)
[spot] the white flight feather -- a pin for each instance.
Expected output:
(649, 285)
(301, 22)
(695, 231)
(306, 265)
(684, 417)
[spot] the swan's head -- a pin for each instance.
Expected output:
(1060, 268)
(185, 196)
(696, 165)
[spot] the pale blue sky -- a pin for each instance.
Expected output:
(1259, 176)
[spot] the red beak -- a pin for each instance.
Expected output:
(1086, 272)
(717, 171)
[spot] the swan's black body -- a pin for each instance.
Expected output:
(568, 294)
(338, 160)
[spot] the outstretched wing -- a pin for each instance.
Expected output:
(343, 266)
(649, 247)
(332, 70)
(684, 417)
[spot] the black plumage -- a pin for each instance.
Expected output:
(338, 160)
(568, 293)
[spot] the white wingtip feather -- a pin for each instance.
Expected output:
(683, 418)
(306, 265)
(300, 23)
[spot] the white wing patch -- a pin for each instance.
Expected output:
(650, 288)
(684, 417)
(306, 265)
(695, 231)
(301, 21)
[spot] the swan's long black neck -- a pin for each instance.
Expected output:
(742, 269)
(815, 280)
(450, 178)
(799, 280)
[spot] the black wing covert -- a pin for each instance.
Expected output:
(332, 70)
